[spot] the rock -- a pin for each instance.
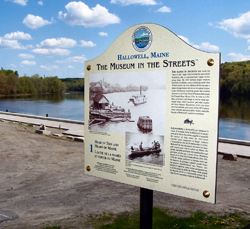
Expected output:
(45, 132)
(79, 139)
(57, 135)
(231, 157)
(70, 137)
(7, 215)
(42, 127)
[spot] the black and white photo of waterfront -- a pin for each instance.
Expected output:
(134, 102)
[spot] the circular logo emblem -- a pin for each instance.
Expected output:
(142, 39)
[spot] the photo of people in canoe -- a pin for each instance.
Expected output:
(145, 148)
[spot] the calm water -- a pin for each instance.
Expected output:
(67, 106)
(234, 113)
(234, 118)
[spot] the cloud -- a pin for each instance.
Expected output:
(26, 56)
(205, 46)
(29, 46)
(20, 2)
(129, 2)
(13, 65)
(75, 59)
(27, 62)
(184, 39)
(51, 52)
(239, 27)
(10, 44)
(87, 43)
(164, 9)
(78, 13)
(58, 43)
(238, 56)
(35, 22)
(49, 67)
(69, 66)
(40, 3)
(210, 23)
(103, 34)
(17, 36)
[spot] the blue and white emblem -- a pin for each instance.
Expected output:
(142, 39)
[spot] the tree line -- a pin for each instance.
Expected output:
(105, 87)
(74, 84)
(12, 84)
(234, 81)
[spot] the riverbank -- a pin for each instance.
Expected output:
(233, 123)
(75, 129)
(43, 183)
(26, 94)
(71, 128)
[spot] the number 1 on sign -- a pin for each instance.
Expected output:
(91, 148)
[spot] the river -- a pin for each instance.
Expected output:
(234, 119)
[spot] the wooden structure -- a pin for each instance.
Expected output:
(100, 101)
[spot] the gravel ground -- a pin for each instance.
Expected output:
(43, 183)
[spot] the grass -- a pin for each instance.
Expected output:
(163, 219)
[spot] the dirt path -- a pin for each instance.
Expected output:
(42, 183)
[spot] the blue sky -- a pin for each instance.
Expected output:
(55, 37)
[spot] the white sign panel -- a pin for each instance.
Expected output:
(151, 113)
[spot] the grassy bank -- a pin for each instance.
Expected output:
(164, 219)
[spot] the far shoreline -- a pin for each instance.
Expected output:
(28, 94)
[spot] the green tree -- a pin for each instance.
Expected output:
(3, 83)
(12, 80)
(37, 81)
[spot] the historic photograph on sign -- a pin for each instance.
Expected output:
(128, 102)
(145, 148)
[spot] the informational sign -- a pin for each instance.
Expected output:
(151, 113)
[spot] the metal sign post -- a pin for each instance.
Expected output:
(146, 208)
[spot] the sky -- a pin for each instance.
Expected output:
(55, 37)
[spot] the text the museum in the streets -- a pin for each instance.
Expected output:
(149, 64)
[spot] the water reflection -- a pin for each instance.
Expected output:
(67, 106)
(74, 96)
(49, 97)
(235, 118)
(235, 108)
(234, 112)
